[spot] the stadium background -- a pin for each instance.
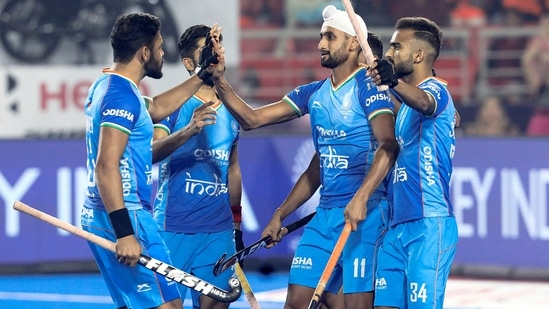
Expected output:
(500, 183)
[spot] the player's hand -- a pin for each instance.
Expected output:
(204, 115)
(210, 54)
(382, 72)
(128, 250)
(239, 243)
(273, 229)
(355, 212)
(457, 119)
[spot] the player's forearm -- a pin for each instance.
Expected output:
(301, 192)
(235, 186)
(243, 113)
(164, 147)
(384, 159)
(167, 102)
(235, 197)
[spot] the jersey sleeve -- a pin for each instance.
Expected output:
(167, 124)
(437, 89)
(376, 102)
(120, 111)
(299, 97)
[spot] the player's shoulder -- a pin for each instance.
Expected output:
(436, 86)
(308, 89)
(434, 82)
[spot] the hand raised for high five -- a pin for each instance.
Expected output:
(211, 54)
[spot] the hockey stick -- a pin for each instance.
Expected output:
(221, 265)
(246, 287)
(161, 268)
(361, 37)
(332, 261)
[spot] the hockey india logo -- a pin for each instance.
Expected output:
(302, 158)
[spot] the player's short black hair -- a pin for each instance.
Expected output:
(131, 32)
(188, 42)
(424, 29)
(376, 45)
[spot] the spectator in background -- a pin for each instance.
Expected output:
(435, 10)
(467, 14)
(492, 120)
(530, 10)
(535, 65)
(502, 51)
(261, 13)
(301, 13)
(375, 12)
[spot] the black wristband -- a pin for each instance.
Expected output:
(203, 74)
(239, 244)
(121, 223)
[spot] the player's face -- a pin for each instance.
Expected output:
(401, 51)
(333, 46)
(153, 67)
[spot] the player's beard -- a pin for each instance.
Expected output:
(335, 59)
(153, 67)
(403, 68)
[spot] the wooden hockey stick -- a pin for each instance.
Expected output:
(332, 261)
(361, 37)
(252, 301)
(155, 265)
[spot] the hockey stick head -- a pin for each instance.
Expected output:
(221, 265)
(217, 267)
(192, 282)
(234, 293)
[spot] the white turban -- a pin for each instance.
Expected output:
(340, 20)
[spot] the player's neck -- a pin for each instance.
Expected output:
(419, 75)
(342, 72)
(128, 71)
(207, 93)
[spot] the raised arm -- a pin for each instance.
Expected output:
(248, 117)
(252, 118)
(162, 105)
(167, 102)
(383, 73)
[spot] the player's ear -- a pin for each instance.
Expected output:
(354, 43)
(144, 54)
(188, 63)
(419, 56)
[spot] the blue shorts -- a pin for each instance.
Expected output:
(134, 287)
(414, 263)
(355, 268)
(197, 254)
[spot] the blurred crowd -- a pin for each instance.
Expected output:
(494, 114)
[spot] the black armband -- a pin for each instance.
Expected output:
(121, 223)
